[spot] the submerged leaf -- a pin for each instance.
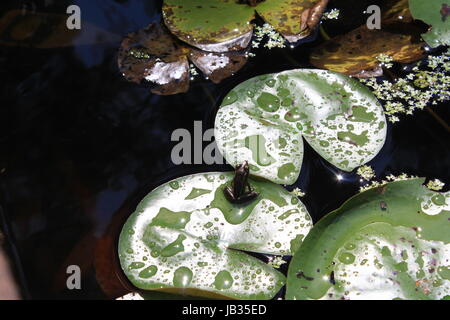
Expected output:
(224, 25)
(357, 50)
(180, 236)
(355, 53)
(263, 120)
(218, 66)
(154, 55)
(48, 30)
(390, 242)
(435, 13)
(395, 11)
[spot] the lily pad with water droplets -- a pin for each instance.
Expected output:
(223, 25)
(437, 14)
(263, 120)
(391, 242)
(185, 237)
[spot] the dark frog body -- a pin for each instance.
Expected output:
(240, 191)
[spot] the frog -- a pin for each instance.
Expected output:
(240, 190)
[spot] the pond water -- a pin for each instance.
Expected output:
(80, 146)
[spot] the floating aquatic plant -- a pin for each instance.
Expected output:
(224, 25)
(276, 262)
(391, 242)
(333, 14)
(427, 84)
(180, 237)
(275, 40)
(386, 60)
(152, 55)
(365, 172)
(435, 185)
(298, 192)
(263, 121)
(389, 178)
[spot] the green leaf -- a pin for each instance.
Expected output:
(263, 119)
(181, 235)
(213, 25)
(224, 25)
(434, 13)
(390, 242)
(294, 19)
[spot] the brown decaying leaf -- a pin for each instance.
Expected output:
(48, 30)
(217, 66)
(154, 55)
(315, 14)
(355, 53)
(357, 50)
(392, 10)
(295, 21)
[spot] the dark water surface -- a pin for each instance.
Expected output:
(80, 146)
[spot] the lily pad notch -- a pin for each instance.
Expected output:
(264, 120)
(224, 25)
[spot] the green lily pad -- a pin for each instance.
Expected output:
(263, 120)
(435, 13)
(215, 25)
(294, 19)
(391, 242)
(185, 237)
(224, 25)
